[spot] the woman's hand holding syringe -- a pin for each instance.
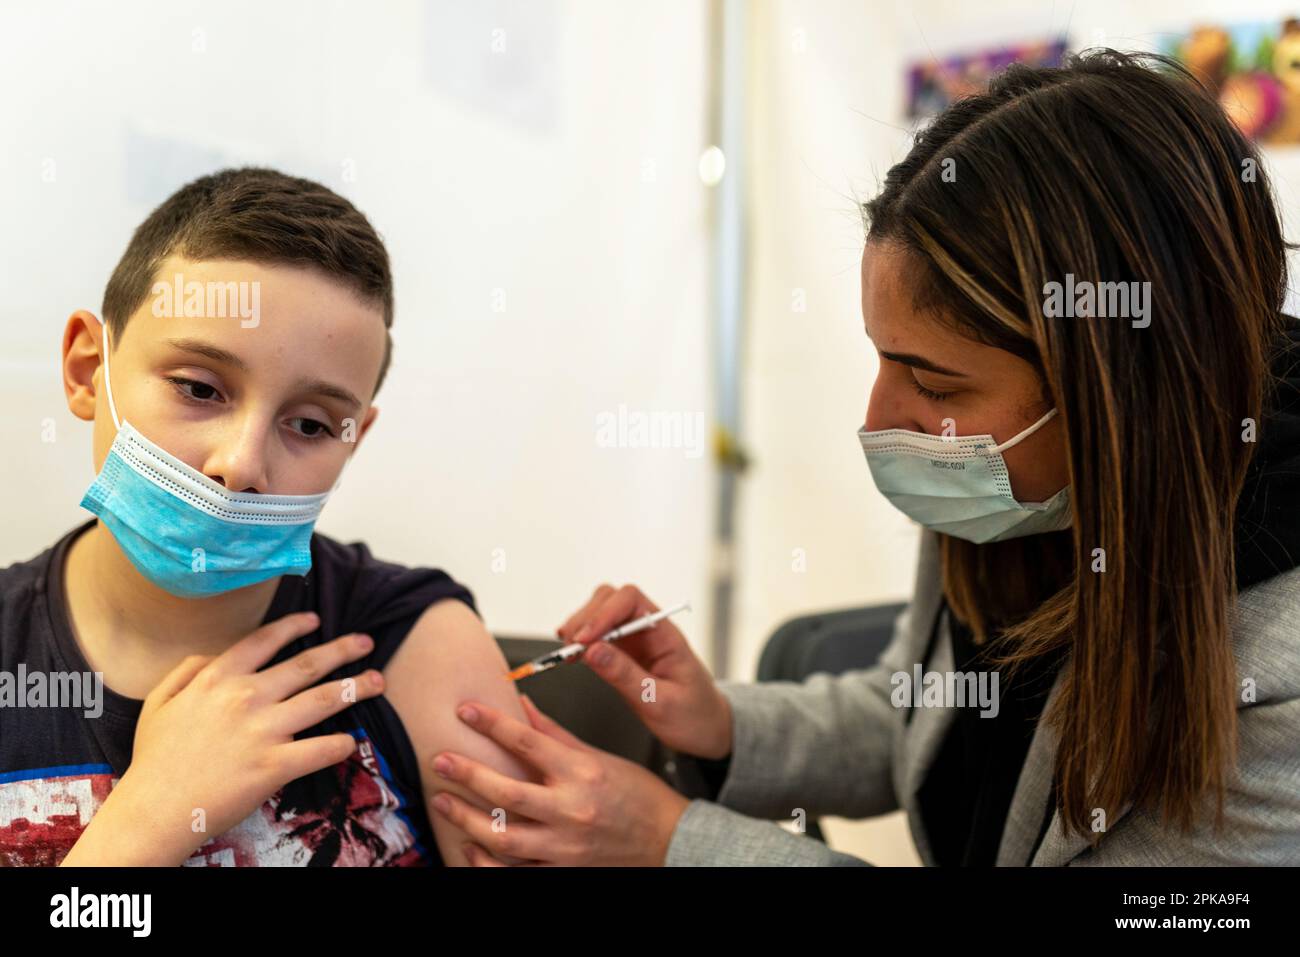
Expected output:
(654, 670)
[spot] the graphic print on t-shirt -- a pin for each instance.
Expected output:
(346, 815)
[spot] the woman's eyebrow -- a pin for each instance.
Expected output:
(317, 386)
(919, 362)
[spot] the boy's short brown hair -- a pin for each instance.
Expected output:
(256, 215)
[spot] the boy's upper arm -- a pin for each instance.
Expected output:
(449, 657)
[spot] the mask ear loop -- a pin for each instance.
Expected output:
(112, 407)
(108, 382)
(989, 450)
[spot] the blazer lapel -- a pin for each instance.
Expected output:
(1029, 805)
(922, 737)
(1033, 791)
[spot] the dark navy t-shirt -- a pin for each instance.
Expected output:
(57, 765)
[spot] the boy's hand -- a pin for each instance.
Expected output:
(216, 736)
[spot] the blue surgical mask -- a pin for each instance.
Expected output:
(188, 534)
(959, 485)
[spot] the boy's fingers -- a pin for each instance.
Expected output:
(252, 652)
(308, 708)
(312, 665)
(308, 755)
(178, 678)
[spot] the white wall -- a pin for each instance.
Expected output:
(557, 176)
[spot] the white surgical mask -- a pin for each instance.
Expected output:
(959, 485)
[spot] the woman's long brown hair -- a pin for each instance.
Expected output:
(1113, 168)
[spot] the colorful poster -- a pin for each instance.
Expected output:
(934, 83)
(1253, 69)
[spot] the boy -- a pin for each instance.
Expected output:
(269, 695)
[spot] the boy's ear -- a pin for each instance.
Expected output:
(83, 342)
(371, 414)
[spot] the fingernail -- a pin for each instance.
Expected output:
(441, 804)
(443, 765)
(583, 632)
(468, 713)
(600, 655)
(364, 642)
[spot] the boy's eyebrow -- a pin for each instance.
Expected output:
(217, 354)
(919, 362)
(208, 350)
(328, 389)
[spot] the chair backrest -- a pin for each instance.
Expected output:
(834, 641)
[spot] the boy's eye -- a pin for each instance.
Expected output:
(194, 389)
(201, 393)
(312, 428)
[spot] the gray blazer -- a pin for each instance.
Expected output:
(836, 745)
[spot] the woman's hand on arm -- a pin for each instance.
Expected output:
(589, 807)
(448, 659)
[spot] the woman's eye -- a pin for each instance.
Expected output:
(928, 393)
(193, 389)
(312, 428)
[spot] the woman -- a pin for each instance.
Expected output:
(1090, 398)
